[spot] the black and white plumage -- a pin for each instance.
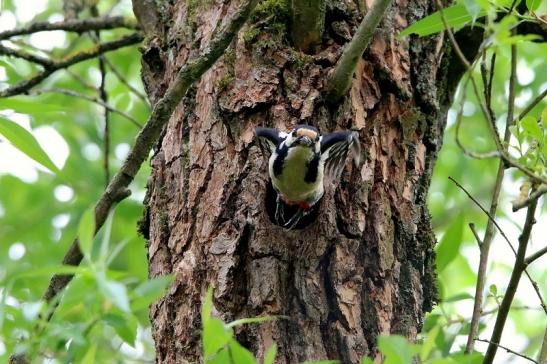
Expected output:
(299, 163)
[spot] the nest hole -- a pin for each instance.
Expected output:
(289, 210)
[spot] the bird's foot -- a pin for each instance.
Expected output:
(293, 221)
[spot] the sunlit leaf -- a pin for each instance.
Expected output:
(429, 343)
(456, 16)
(396, 349)
(253, 320)
(459, 297)
(207, 305)
(270, 354)
(239, 354)
(449, 245)
(114, 292)
(215, 336)
(149, 291)
(89, 357)
(28, 105)
(124, 325)
(473, 8)
(86, 231)
(531, 127)
(23, 140)
(533, 5)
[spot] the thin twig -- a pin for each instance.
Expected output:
(339, 82)
(518, 268)
(26, 85)
(532, 104)
(489, 233)
(90, 99)
(123, 80)
(475, 234)
(73, 25)
(490, 217)
(508, 350)
(96, 36)
(535, 256)
(501, 152)
(19, 53)
(517, 205)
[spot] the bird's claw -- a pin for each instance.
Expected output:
(293, 221)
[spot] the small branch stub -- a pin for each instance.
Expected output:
(339, 82)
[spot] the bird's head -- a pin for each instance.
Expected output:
(304, 136)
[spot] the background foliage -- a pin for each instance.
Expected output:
(40, 212)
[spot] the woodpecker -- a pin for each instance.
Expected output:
(299, 163)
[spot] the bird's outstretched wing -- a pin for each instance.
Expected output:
(269, 138)
(334, 150)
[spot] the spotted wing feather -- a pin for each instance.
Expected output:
(334, 150)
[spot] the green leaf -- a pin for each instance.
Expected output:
(396, 349)
(23, 140)
(533, 5)
(207, 306)
(449, 246)
(456, 16)
(114, 292)
(474, 8)
(366, 360)
(149, 291)
(270, 354)
(241, 355)
(89, 357)
(458, 297)
(429, 343)
(86, 232)
(531, 127)
(28, 105)
(215, 336)
(124, 325)
(253, 320)
(221, 357)
(493, 290)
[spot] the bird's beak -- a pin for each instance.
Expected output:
(304, 140)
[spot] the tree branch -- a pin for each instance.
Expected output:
(308, 22)
(18, 53)
(73, 25)
(535, 256)
(507, 300)
(339, 82)
(90, 99)
(517, 205)
(490, 217)
(532, 104)
(508, 350)
(26, 85)
(489, 234)
(148, 136)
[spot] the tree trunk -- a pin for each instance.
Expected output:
(365, 267)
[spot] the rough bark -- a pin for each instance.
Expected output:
(365, 267)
